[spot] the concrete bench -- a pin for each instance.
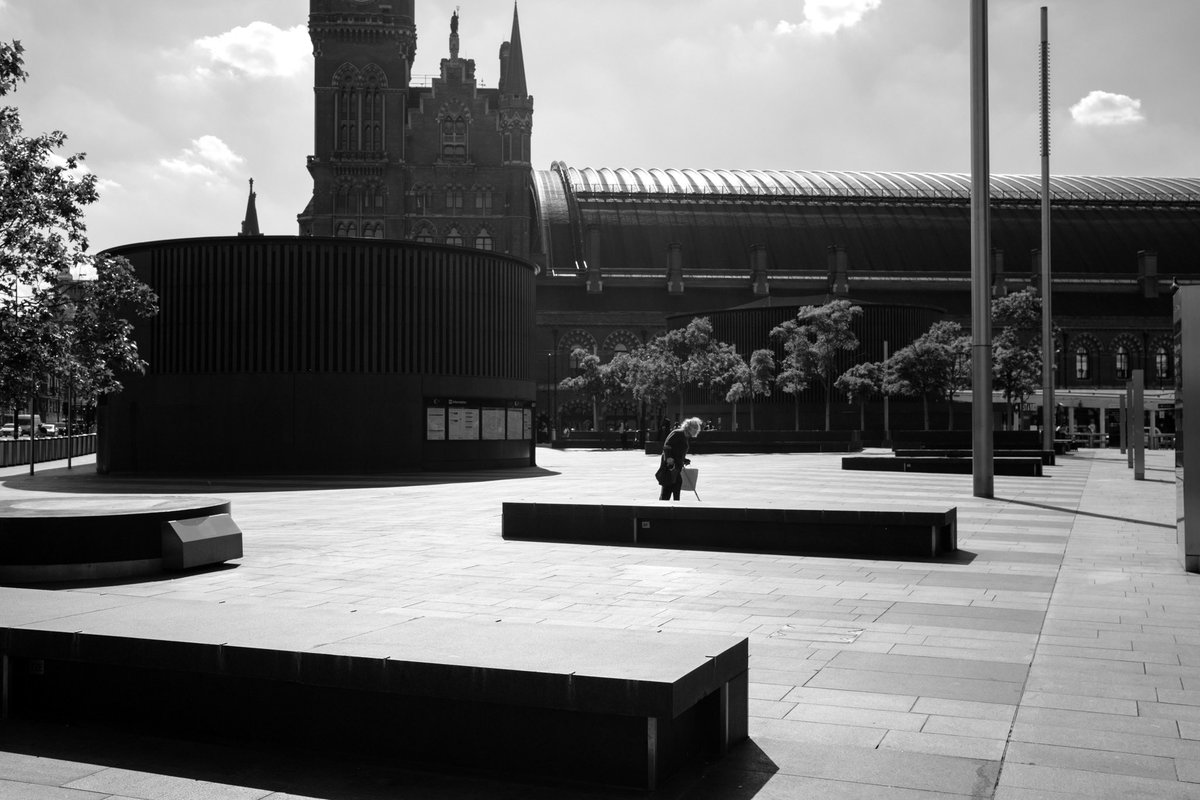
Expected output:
(708, 445)
(107, 537)
(1047, 456)
(1028, 467)
(578, 703)
(905, 532)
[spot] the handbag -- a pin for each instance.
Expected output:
(664, 476)
(690, 476)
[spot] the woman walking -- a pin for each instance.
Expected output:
(674, 458)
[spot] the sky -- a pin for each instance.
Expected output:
(177, 104)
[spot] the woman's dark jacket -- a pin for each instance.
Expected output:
(676, 447)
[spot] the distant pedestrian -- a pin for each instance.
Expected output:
(674, 458)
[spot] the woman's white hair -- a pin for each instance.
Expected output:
(694, 423)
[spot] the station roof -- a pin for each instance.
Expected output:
(898, 185)
(624, 220)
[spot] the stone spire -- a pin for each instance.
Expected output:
(513, 84)
(250, 223)
(454, 35)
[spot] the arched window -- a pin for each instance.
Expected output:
(424, 234)
(422, 199)
(374, 82)
(1162, 363)
(347, 84)
(483, 201)
(454, 200)
(1122, 363)
(483, 240)
(454, 236)
(1082, 364)
(454, 138)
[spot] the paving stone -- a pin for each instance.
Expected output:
(1094, 784)
(944, 745)
(923, 665)
(1091, 760)
(903, 769)
(984, 691)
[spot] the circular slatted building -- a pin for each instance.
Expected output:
(285, 355)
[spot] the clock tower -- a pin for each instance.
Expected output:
(443, 160)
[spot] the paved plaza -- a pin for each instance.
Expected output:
(1056, 657)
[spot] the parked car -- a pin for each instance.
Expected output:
(6, 431)
(48, 429)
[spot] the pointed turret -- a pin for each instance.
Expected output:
(513, 84)
(250, 223)
(516, 106)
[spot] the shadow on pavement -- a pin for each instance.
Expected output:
(740, 775)
(73, 481)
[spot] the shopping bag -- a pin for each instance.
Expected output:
(690, 476)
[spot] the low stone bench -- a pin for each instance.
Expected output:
(587, 704)
(881, 531)
(1047, 456)
(1028, 467)
(108, 537)
(708, 446)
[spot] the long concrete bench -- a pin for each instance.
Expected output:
(1028, 467)
(1047, 456)
(106, 537)
(788, 446)
(578, 703)
(881, 531)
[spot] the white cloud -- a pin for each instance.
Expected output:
(1106, 108)
(208, 158)
(260, 50)
(826, 17)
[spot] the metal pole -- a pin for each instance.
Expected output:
(70, 420)
(1137, 423)
(887, 422)
(1047, 290)
(32, 423)
(981, 248)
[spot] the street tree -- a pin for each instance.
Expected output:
(681, 358)
(860, 383)
(52, 323)
(1016, 360)
(814, 344)
(591, 380)
(934, 367)
(754, 381)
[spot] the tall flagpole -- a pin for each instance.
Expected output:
(1047, 289)
(982, 467)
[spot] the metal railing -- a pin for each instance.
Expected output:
(50, 448)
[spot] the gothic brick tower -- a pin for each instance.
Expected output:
(447, 163)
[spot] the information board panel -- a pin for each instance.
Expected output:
(435, 424)
(516, 424)
(493, 423)
(463, 423)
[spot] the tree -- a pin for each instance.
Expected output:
(860, 383)
(813, 344)
(935, 366)
(1016, 370)
(51, 322)
(717, 369)
(1016, 363)
(753, 381)
(591, 380)
(679, 358)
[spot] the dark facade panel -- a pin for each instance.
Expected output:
(304, 355)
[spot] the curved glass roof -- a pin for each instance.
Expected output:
(875, 184)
